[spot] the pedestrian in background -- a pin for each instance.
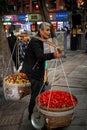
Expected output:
(34, 62)
(12, 41)
(22, 49)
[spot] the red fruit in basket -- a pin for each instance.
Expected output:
(56, 99)
(23, 75)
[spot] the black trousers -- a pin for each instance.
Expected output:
(36, 88)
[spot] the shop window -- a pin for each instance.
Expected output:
(34, 27)
(54, 25)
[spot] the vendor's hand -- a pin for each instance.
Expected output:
(57, 53)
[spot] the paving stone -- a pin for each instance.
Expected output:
(79, 121)
(71, 82)
(10, 127)
(75, 127)
(27, 127)
(25, 117)
(81, 113)
(80, 76)
(10, 120)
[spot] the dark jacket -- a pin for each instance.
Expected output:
(34, 60)
(13, 49)
(12, 43)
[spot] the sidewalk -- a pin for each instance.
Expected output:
(14, 114)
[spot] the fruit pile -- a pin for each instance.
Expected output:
(19, 78)
(56, 99)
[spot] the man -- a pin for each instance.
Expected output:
(22, 48)
(13, 48)
(34, 62)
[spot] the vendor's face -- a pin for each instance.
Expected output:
(45, 33)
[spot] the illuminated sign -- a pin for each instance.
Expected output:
(62, 16)
(60, 25)
(17, 23)
(51, 16)
(54, 25)
(22, 17)
(9, 18)
(34, 17)
(14, 18)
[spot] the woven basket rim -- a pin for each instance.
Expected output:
(55, 109)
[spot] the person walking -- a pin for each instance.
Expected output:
(13, 48)
(22, 49)
(34, 63)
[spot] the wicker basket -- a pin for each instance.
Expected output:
(56, 122)
(56, 117)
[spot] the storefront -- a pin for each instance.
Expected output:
(63, 20)
(8, 23)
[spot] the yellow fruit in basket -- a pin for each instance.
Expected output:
(19, 78)
(20, 82)
(12, 81)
